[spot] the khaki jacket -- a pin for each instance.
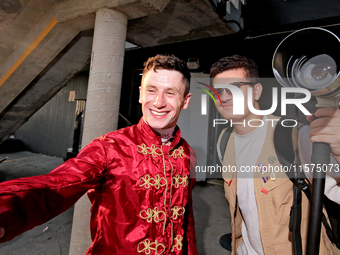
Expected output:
(274, 200)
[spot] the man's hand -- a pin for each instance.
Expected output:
(326, 129)
(2, 232)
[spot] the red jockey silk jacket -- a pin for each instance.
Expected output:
(140, 192)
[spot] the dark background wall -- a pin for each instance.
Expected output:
(50, 130)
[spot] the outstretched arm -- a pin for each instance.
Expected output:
(31, 201)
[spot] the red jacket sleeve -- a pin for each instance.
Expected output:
(190, 231)
(190, 226)
(28, 202)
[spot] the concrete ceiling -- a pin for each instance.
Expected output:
(41, 40)
(44, 43)
(17, 19)
(181, 20)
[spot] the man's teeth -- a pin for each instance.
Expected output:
(158, 113)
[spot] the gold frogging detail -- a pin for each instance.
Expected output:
(153, 150)
(147, 246)
(154, 214)
(147, 181)
(177, 153)
(179, 180)
(178, 243)
(177, 212)
(159, 215)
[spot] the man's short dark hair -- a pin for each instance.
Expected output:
(169, 63)
(235, 62)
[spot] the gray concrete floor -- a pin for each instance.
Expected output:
(52, 238)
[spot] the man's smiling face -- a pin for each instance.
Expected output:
(162, 97)
(226, 109)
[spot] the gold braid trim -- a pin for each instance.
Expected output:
(166, 188)
(159, 215)
(178, 239)
(149, 150)
(154, 214)
(147, 181)
(150, 246)
(177, 212)
(178, 153)
(178, 180)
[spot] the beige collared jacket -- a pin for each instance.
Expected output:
(274, 199)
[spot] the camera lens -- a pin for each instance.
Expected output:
(315, 73)
(322, 71)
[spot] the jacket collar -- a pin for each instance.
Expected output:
(149, 136)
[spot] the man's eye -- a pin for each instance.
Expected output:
(171, 93)
(219, 91)
(150, 90)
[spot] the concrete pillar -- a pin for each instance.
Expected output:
(102, 105)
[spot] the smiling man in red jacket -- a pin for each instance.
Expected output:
(137, 178)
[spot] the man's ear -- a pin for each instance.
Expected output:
(2, 232)
(186, 101)
(257, 91)
(140, 96)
